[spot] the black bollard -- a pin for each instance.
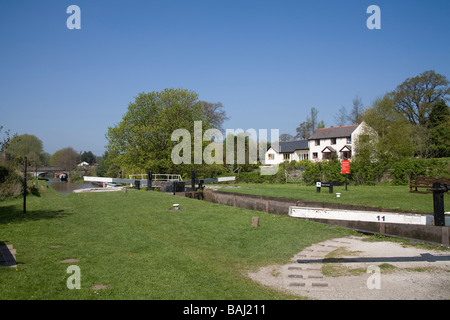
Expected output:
(438, 203)
(193, 180)
(149, 180)
(330, 188)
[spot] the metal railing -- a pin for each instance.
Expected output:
(156, 177)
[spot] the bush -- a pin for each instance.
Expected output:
(363, 172)
(407, 170)
(367, 173)
(10, 182)
(322, 171)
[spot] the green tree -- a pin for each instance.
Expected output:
(388, 135)
(6, 140)
(415, 97)
(88, 156)
(142, 140)
(103, 165)
(66, 159)
(306, 128)
(25, 145)
(439, 129)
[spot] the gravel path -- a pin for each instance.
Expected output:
(356, 269)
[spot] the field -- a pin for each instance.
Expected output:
(381, 196)
(132, 246)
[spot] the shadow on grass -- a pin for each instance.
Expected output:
(14, 213)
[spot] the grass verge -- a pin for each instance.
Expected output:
(387, 197)
(131, 246)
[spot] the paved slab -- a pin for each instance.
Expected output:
(365, 270)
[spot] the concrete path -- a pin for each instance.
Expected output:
(357, 269)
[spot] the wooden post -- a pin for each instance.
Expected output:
(255, 222)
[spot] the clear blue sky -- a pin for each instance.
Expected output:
(267, 62)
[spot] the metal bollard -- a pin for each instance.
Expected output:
(193, 180)
(149, 180)
(438, 203)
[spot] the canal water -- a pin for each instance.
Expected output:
(68, 187)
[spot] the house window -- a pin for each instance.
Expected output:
(271, 156)
(349, 140)
(346, 155)
(333, 140)
(317, 141)
(285, 156)
(315, 155)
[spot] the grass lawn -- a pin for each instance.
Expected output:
(139, 249)
(388, 197)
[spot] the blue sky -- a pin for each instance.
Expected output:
(267, 62)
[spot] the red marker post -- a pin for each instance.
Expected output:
(345, 169)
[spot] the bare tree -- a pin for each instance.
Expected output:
(341, 117)
(357, 111)
(306, 128)
(286, 137)
(214, 113)
(68, 159)
(415, 97)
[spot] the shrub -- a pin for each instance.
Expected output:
(366, 172)
(407, 170)
(10, 182)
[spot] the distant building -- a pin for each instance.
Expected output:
(320, 146)
(287, 151)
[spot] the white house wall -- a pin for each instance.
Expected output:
(340, 143)
(358, 131)
(299, 155)
(277, 158)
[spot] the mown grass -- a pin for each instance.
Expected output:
(381, 196)
(139, 249)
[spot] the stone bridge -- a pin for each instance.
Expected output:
(41, 170)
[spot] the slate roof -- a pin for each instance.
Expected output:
(333, 132)
(291, 146)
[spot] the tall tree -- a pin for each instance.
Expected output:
(355, 116)
(286, 137)
(66, 159)
(341, 117)
(321, 124)
(306, 128)
(415, 97)
(142, 140)
(6, 140)
(439, 129)
(88, 156)
(25, 145)
(214, 114)
(388, 135)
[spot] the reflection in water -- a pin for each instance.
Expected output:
(68, 187)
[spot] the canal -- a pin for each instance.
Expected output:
(68, 187)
